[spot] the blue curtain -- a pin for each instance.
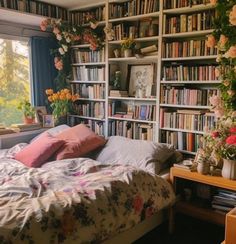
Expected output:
(43, 71)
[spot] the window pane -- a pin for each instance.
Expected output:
(14, 79)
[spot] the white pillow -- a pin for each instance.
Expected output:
(149, 156)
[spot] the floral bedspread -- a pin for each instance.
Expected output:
(75, 200)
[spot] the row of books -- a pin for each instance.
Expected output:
(84, 73)
(189, 73)
(131, 8)
(36, 7)
(223, 200)
(97, 126)
(144, 28)
(131, 130)
(91, 109)
(82, 17)
(169, 4)
(189, 48)
(141, 112)
(182, 140)
(96, 91)
(185, 96)
(88, 56)
(187, 23)
(187, 119)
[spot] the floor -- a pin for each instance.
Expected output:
(188, 231)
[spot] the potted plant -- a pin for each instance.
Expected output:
(128, 46)
(28, 111)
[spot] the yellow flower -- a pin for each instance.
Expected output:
(55, 96)
(68, 96)
(49, 91)
(62, 96)
(66, 91)
(50, 98)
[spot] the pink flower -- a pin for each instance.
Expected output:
(211, 41)
(226, 83)
(56, 31)
(233, 130)
(77, 38)
(217, 72)
(58, 63)
(138, 204)
(231, 53)
(219, 112)
(232, 16)
(215, 134)
(149, 212)
(231, 140)
(44, 24)
(215, 100)
(213, 2)
(223, 40)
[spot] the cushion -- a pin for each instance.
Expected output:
(39, 151)
(53, 131)
(80, 140)
(143, 154)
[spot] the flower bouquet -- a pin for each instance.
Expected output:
(61, 102)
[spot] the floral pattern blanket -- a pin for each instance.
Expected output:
(75, 200)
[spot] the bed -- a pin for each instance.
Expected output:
(78, 200)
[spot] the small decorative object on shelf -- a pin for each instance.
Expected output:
(203, 162)
(61, 102)
(128, 46)
(28, 111)
(117, 53)
(116, 82)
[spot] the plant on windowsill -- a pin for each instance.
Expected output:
(128, 45)
(28, 111)
(61, 103)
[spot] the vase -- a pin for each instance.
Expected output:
(203, 168)
(229, 169)
(127, 53)
(61, 120)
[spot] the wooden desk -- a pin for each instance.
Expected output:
(192, 209)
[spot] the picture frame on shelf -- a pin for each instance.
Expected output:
(48, 121)
(140, 80)
(40, 111)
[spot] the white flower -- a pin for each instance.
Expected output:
(61, 51)
(68, 40)
(59, 37)
(65, 48)
(74, 29)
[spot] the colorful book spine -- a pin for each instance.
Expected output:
(88, 56)
(172, 4)
(95, 91)
(91, 109)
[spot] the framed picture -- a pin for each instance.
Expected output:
(40, 111)
(140, 80)
(48, 120)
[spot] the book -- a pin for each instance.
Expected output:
(149, 49)
(187, 165)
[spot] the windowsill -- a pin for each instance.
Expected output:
(23, 133)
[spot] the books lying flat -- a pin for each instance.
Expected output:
(149, 49)
(6, 131)
(117, 93)
(187, 165)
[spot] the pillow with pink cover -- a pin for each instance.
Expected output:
(79, 140)
(39, 151)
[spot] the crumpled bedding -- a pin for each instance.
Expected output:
(75, 200)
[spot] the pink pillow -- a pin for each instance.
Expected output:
(80, 140)
(39, 151)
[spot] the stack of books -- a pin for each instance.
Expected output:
(150, 50)
(118, 93)
(224, 201)
(25, 127)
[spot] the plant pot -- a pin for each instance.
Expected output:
(29, 120)
(229, 169)
(203, 168)
(128, 53)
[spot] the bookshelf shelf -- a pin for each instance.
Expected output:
(186, 152)
(92, 99)
(86, 117)
(87, 82)
(143, 39)
(188, 34)
(100, 23)
(147, 58)
(194, 8)
(132, 120)
(133, 99)
(191, 82)
(89, 64)
(134, 18)
(183, 130)
(209, 57)
(184, 106)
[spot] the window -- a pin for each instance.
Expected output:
(14, 79)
